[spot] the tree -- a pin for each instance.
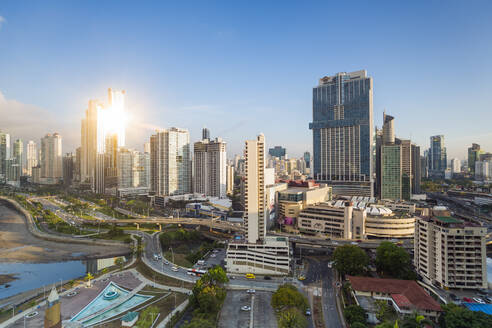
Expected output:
(199, 323)
(383, 310)
(394, 261)
(89, 277)
(292, 318)
(354, 313)
(350, 259)
(458, 317)
(415, 321)
(359, 325)
(119, 261)
(387, 325)
(287, 296)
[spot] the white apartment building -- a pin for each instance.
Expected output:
(257, 253)
(51, 159)
(210, 168)
(451, 253)
(170, 162)
(31, 156)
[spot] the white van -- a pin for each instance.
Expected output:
(200, 262)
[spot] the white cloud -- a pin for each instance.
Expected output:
(29, 122)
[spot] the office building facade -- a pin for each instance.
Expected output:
(4, 154)
(343, 133)
(277, 151)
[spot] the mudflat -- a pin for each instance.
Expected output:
(17, 244)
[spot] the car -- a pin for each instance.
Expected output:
(301, 278)
(166, 262)
(267, 278)
(213, 255)
(354, 243)
(359, 240)
(250, 276)
(488, 299)
(479, 300)
(175, 269)
(335, 243)
(467, 300)
(156, 258)
(251, 291)
(308, 311)
(330, 264)
(246, 308)
(482, 292)
(215, 250)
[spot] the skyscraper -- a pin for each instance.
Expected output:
(254, 211)
(474, 153)
(455, 166)
(68, 168)
(307, 159)
(31, 156)
(210, 167)
(103, 126)
(18, 154)
(170, 162)
(51, 158)
(437, 156)
(343, 133)
(416, 169)
(4, 153)
(205, 134)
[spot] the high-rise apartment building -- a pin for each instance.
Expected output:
(125, 168)
(4, 153)
(255, 209)
(391, 172)
(450, 252)
(455, 166)
(31, 156)
(437, 156)
(343, 133)
(141, 170)
(51, 158)
(230, 179)
(210, 162)
(18, 154)
(170, 162)
(258, 253)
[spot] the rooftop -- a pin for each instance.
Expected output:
(485, 308)
(447, 219)
(404, 292)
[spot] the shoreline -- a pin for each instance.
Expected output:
(6, 278)
(22, 242)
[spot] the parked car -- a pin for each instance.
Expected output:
(308, 311)
(467, 300)
(479, 300)
(251, 291)
(246, 308)
(267, 278)
(213, 255)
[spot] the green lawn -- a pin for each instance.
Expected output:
(179, 259)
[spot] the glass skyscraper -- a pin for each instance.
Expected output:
(437, 156)
(343, 133)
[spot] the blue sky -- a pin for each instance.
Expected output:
(241, 68)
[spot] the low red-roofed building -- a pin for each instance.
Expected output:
(405, 296)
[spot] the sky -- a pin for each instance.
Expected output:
(244, 68)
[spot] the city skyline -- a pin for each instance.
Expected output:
(243, 85)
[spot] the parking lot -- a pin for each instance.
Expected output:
(231, 315)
